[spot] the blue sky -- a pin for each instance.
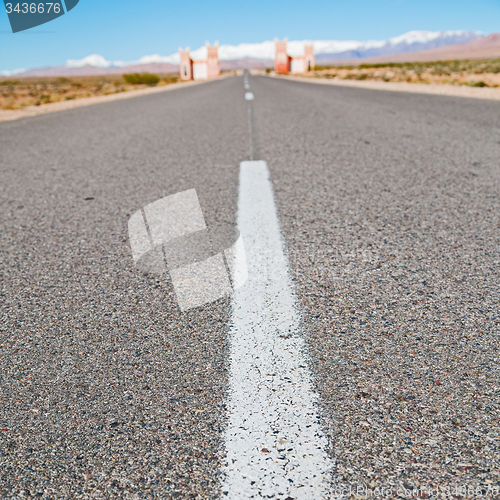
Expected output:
(129, 29)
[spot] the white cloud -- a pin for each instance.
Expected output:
(265, 50)
(12, 73)
(94, 60)
(98, 61)
(156, 58)
(427, 36)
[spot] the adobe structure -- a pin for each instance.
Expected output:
(200, 69)
(283, 63)
(186, 64)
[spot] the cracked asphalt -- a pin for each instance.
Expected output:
(389, 206)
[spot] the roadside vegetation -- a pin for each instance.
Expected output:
(142, 79)
(480, 73)
(21, 92)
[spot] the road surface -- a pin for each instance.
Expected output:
(389, 212)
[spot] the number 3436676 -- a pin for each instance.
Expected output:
(33, 8)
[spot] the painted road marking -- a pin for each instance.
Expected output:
(274, 444)
(249, 96)
(250, 132)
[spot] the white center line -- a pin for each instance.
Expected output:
(274, 444)
(250, 132)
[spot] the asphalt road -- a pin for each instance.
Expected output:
(389, 207)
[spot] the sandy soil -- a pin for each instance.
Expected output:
(415, 74)
(8, 115)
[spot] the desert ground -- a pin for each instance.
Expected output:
(17, 93)
(483, 73)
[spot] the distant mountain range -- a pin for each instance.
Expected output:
(412, 41)
(252, 55)
(487, 47)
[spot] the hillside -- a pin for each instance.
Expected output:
(487, 47)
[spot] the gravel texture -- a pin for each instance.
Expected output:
(390, 209)
(107, 389)
(389, 205)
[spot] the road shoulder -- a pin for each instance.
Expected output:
(9, 115)
(419, 88)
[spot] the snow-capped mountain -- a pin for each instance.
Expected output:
(412, 41)
(332, 49)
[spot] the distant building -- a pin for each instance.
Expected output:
(282, 59)
(200, 69)
(283, 63)
(186, 65)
